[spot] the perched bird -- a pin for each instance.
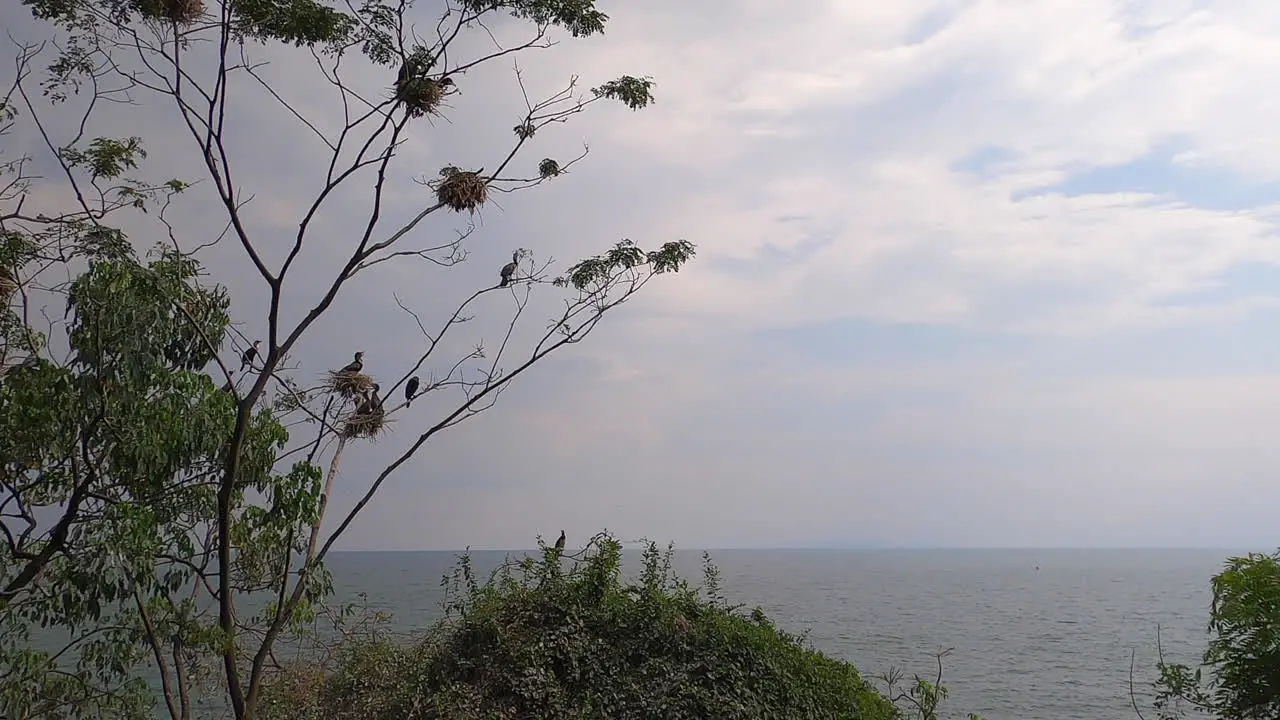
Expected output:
(356, 365)
(371, 401)
(448, 83)
(246, 360)
(71, 301)
(509, 269)
(411, 389)
(560, 542)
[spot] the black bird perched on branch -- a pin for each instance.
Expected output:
(356, 365)
(246, 360)
(411, 389)
(560, 542)
(509, 269)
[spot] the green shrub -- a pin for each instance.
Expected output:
(1243, 653)
(568, 638)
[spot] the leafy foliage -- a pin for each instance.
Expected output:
(152, 518)
(119, 445)
(601, 269)
(579, 17)
(1243, 653)
(538, 641)
(297, 22)
(633, 92)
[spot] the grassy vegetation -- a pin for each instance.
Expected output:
(571, 637)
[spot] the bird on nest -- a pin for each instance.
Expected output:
(354, 366)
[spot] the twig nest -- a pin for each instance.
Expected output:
(421, 96)
(349, 384)
(365, 423)
(182, 12)
(462, 189)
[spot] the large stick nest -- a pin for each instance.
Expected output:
(349, 384)
(365, 422)
(462, 189)
(182, 12)
(421, 96)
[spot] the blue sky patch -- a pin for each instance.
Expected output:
(1155, 172)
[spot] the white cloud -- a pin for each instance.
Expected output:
(810, 156)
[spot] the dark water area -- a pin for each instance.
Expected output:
(1037, 634)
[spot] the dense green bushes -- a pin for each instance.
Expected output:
(1242, 658)
(570, 638)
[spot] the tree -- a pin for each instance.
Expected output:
(176, 505)
(1243, 653)
(535, 640)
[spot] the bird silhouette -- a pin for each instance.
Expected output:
(509, 269)
(560, 542)
(371, 402)
(354, 366)
(411, 389)
(246, 360)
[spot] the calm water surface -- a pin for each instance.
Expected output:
(1038, 634)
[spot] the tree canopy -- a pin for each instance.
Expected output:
(163, 491)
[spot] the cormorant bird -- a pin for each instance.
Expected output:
(71, 300)
(356, 365)
(509, 269)
(411, 389)
(560, 542)
(371, 402)
(246, 360)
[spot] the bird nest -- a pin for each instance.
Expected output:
(462, 190)
(349, 384)
(421, 96)
(365, 424)
(182, 12)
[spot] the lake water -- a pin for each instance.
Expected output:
(1037, 634)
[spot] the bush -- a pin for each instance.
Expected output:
(1243, 653)
(539, 641)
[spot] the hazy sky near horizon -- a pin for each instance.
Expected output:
(970, 273)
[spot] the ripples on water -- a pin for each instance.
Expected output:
(1030, 644)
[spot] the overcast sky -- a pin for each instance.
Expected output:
(970, 273)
